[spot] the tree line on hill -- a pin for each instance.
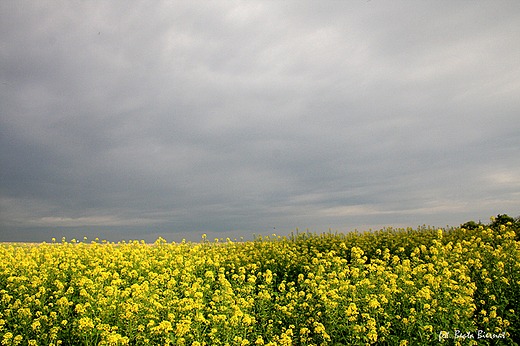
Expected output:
(501, 219)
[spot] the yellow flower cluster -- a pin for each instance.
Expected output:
(391, 287)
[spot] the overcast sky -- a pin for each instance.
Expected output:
(139, 119)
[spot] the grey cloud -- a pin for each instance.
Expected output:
(171, 119)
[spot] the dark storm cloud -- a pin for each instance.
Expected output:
(173, 119)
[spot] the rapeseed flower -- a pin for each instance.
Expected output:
(257, 292)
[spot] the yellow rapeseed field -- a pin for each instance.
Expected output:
(392, 287)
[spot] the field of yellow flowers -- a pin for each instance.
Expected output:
(391, 287)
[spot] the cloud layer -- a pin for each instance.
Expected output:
(133, 120)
